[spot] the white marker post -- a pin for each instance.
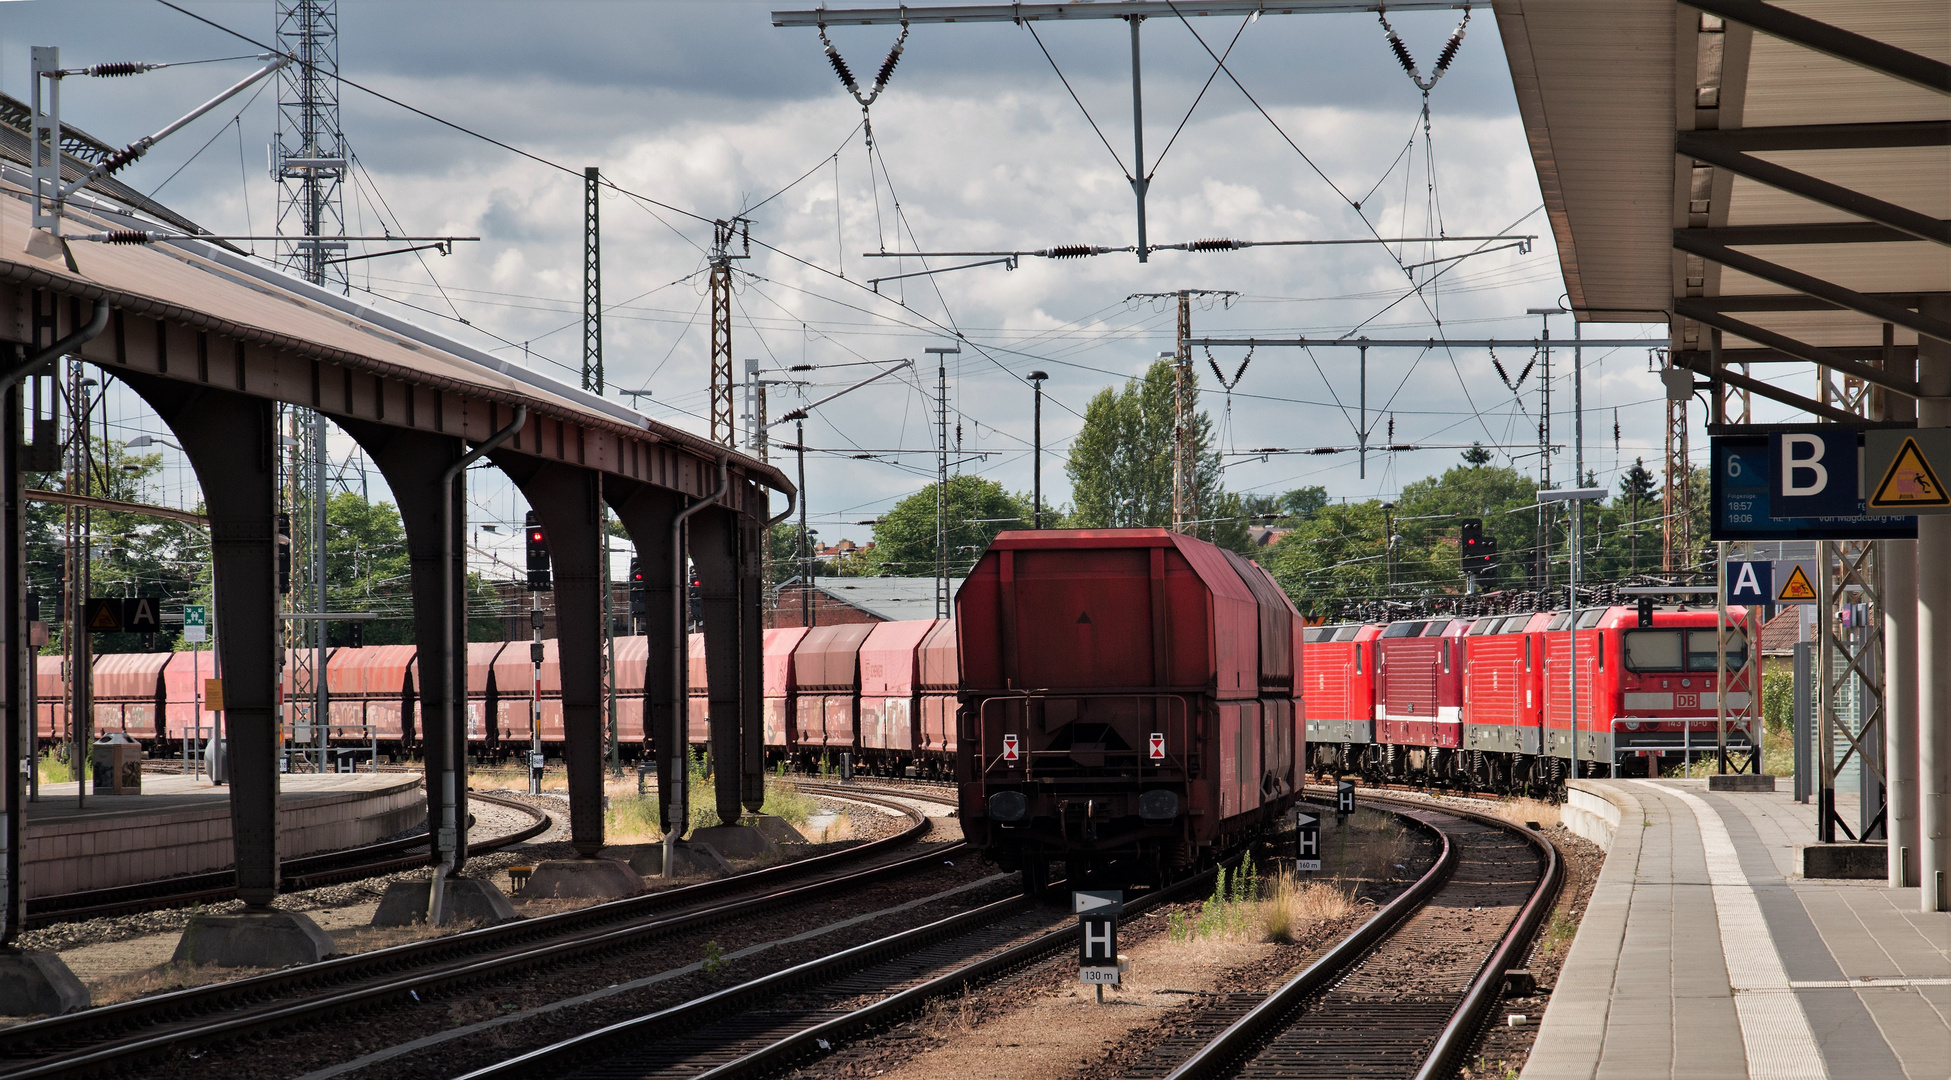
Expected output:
(1097, 955)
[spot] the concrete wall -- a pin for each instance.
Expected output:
(1588, 813)
(65, 857)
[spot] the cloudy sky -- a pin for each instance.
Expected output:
(977, 145)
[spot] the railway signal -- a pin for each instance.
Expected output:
(1344, 797)
(1307, 841)
(1097, 951)
(1009, 748)
(1158, 746)
(538, 553)
(284, 553)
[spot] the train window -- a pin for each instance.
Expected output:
(1347, 633)
(1446, 656)
(1590, 618)
(1702, 646)
(1656, 650)
(1358, 658)
(1602, 650)
(1436, 628)
(1527, 654)
(1404, 629)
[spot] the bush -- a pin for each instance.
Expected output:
(1778, 700)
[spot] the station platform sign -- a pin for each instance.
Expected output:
(1797, 483)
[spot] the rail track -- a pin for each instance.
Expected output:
(1406, 994)
(1345, 1026)
(306, 872)
(119, 1037)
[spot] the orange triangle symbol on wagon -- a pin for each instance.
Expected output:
(1909, 481)
(1797, 587)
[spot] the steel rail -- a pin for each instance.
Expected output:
(304, 872)
(816, 1039)
(391, 974)
(1226, 1051)
(1270, 1015)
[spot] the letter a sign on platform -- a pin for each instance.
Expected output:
(1158, 746)
(1750, 582)
(1009, 748)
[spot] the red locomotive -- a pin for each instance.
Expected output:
(1127, 702)
(1487, 702)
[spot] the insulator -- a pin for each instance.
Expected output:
(1501, 373)
(840, 68)
(887, 66)
(1402, 55)
(121, 159)
(124, 67)
(1449, 52)
(1214, 244)
(127, 236)
(1070, 251)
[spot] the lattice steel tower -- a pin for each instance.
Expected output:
(309, 162)
(308, 156)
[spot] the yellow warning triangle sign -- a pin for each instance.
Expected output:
(1797, 587)
(104, 619)
(1909, 482)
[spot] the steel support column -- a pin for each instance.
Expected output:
(646, 513)
(15, 757)
(568, 501)
(412, 463)
(715, 554)
(1934, 638)
(232, 442)
(751, 651)
(1898, 560)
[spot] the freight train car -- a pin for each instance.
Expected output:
(1113, 714)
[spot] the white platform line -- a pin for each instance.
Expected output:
(1774, 1029)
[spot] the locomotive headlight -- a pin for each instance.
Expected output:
(1008, 806)
(1632, 725)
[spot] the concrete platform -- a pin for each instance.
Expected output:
(1704, 953)
(181, 825)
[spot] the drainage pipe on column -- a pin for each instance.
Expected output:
(680, 806)
(1934, 635)
(447, 836)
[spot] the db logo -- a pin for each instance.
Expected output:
(1158, 746)
(1686, 701)
(1009, 748)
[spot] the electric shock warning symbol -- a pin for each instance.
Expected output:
(1909, 482)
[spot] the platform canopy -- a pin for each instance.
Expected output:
(1777, 170)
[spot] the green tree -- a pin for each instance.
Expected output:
(1121, 462)
(1476, 455)
(976, 509)
(130, 554)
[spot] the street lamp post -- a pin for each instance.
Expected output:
(1036, 452)
(1576, 497)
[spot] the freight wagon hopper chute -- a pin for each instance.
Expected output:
(1111, 708)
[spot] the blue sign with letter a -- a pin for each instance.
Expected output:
(1750, 582)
